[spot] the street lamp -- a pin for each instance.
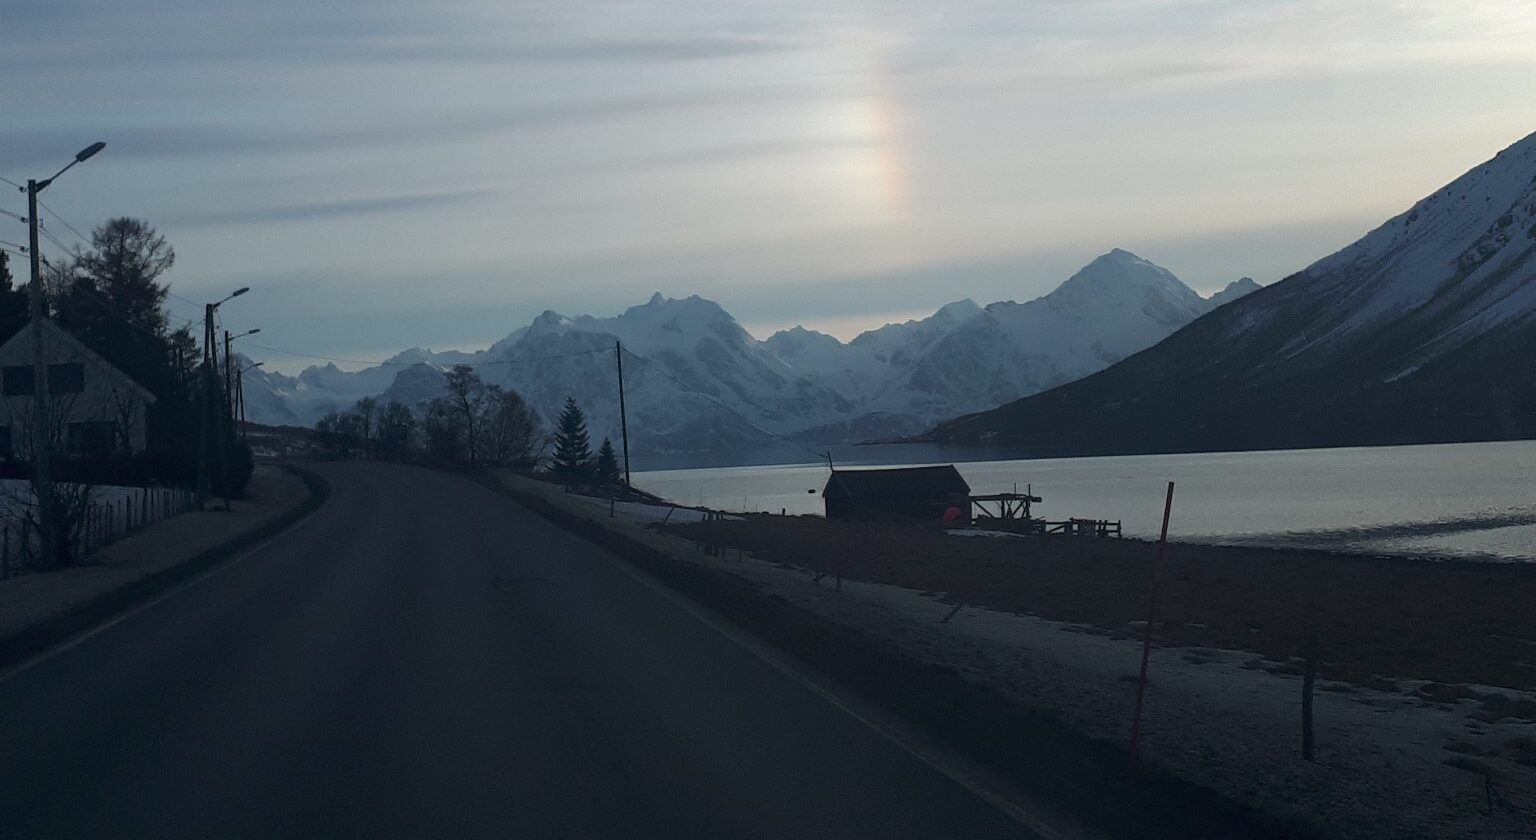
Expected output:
(229, 359)
(42, 442)
(210, 365)
(240, 392)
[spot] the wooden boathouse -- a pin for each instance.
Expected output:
(904, 494)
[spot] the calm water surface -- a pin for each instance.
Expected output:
(1471, 499)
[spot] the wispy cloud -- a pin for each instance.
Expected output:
(324, 209)
(28, 147)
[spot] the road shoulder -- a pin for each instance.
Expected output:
(40, 610)
(1078, 782)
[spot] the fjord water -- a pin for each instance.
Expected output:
(1474, 500)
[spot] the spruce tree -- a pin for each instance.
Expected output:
(607, 463)
(573, 449)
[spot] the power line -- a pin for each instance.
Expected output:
(64, 221)
(413, 364)
(12, 183)
(48, 235)
(17, 216)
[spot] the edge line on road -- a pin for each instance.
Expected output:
(771, 657)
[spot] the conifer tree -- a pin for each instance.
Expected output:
(573, 448)
(607, 467)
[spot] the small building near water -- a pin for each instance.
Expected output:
(905, 494)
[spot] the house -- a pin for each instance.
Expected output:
(96, 408)
(905, 494)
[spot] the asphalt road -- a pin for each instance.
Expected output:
(423, 658)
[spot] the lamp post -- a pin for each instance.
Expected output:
(240, 393)
(42, 441)
(229, 373)
(210, 380)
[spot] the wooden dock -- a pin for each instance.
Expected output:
(1012, 512)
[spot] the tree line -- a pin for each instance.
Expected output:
(474, 423)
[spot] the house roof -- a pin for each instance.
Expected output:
(900, 482)
(96, 359)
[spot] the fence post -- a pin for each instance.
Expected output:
(1146, 645)
(1307, 682)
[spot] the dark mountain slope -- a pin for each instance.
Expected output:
(1423, 331)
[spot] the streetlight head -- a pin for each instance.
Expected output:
(240, 291)
(253, 331)
(89, 150)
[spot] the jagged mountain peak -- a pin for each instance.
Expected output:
(1234, 290)
(1118, 271)
(959, 310)
(413, 356)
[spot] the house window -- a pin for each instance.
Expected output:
(68, 378)
(93, 438)
(17, 380)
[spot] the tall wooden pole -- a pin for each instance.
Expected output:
(42, 440)
(1146, 644)
(618, 355)
(229, 375)
(205, 405)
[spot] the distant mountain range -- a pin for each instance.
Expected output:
(1422, 331)
(695, 380)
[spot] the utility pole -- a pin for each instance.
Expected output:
(218, 411)
(214, 425)
(42, 428)
(229, 376)
(618, 355)
(204, 404)
(42, 440)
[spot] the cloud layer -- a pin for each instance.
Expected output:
(475, 163)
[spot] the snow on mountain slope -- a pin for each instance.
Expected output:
(1116, 305)
(695, 379)
(1420, 331)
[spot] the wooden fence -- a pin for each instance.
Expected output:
(104, 522)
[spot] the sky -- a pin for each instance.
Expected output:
(386, 174)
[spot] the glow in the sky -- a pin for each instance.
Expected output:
(388, 174)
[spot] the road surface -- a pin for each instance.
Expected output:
(423, 658)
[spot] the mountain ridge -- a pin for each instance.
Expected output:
(1417, 332)
(700, 380)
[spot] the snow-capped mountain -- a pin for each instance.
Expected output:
(968, 358)
(696, 380)
(1420, 331)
